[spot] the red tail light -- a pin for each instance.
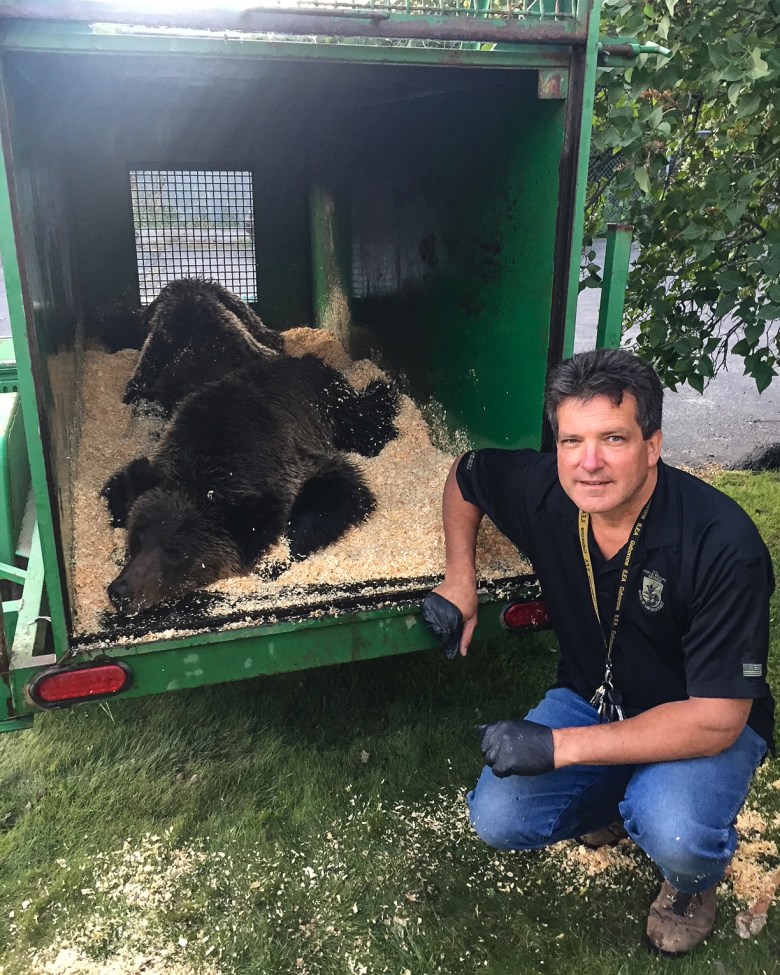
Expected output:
(60, 686)
(528, 615)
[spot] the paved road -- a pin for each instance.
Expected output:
(719, 426)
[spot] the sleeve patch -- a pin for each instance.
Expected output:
(752, 670)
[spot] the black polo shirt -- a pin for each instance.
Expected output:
(695, 615)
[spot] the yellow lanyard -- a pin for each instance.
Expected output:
(606, 695)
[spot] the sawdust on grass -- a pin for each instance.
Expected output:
(136, 895)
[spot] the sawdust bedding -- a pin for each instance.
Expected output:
(402, 540)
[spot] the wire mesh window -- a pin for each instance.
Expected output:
(194, 223)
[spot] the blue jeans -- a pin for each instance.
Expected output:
(680, 813)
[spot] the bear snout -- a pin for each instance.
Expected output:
(120, 592)
(137, 585)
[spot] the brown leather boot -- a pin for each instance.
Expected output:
(607, 836)
(679, 922)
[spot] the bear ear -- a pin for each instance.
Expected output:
(122, 489)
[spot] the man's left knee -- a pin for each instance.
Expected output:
(679, 842)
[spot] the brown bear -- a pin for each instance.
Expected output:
(244, 461)
(196, 332)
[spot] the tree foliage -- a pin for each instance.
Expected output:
(696, 137)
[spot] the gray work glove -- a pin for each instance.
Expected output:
(445, 621)
(517, 748)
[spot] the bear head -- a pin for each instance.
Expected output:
(175, 544)
(193, 339)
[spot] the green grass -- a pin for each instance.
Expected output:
(315, 823)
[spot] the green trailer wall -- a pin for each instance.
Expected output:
(420, 201)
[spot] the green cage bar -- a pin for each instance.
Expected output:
(617, 259)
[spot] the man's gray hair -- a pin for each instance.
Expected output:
(610, 373)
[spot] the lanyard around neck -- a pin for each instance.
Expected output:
(584, 521)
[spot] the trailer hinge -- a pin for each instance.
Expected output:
(614, 52)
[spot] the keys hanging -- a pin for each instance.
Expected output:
(608, 701)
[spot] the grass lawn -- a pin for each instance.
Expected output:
(315, 823)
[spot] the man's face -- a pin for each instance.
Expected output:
(604, 463)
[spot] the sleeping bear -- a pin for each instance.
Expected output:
(245, 460)
(197, 331)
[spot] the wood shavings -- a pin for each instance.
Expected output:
(319, 342)
(753, 876)
(752, 922)
(749, 873)
(750, 821)
(140, 881)
(111, 436)
(402, 540)
(76, 961)
(595, 862)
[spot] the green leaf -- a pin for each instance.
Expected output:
(643, 179)
(693, 231)
(772, 266)
(760, 68)
(732, 72)
(655, 117)
(746, 182)
(769, 312)
(705, 249)
(754, 331)
(735, 42)
(729, 279)
(696, 381)
(734, 214)
(748, 105)
(763, 375)
(726, 303)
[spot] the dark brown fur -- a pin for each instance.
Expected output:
(197, 332)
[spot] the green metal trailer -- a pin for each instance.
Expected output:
(450, 140)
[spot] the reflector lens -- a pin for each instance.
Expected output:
(524, 616)
(86, 682)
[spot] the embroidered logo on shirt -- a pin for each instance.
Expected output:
(651, 593)
(470, 461)
(752, 670)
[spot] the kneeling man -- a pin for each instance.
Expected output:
(658, 588)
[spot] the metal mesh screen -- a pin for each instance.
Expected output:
(194, 223)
